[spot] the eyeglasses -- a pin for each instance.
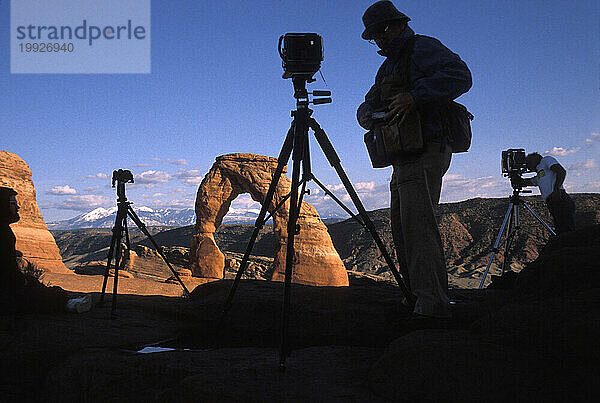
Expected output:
(378, 35)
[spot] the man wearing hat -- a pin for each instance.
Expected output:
(418, 77)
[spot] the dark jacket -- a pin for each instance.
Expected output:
(437, 75)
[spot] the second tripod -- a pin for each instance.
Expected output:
(296, 145)
(120, 231)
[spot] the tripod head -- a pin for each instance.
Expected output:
(302, 94)
(121, 177)
(517, 186)
(517, 183)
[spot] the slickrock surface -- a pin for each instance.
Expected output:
(127, 285)
(33, 238)
(317, 262)
(535, 342)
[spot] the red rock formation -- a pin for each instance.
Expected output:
(33, 238)
(317, 262)
(455, 237)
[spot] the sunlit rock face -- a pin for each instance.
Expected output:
(33, 238)
(316, 261)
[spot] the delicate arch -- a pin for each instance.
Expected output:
(317, 262)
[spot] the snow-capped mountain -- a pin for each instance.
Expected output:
(105, 218)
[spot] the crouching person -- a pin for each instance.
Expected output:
(550, 176)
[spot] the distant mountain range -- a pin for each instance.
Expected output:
(468, 230)
(105, 218)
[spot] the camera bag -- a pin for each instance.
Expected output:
(385, 143)
(456, 123)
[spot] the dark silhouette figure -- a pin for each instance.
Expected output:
(418, 78)
(23, 293)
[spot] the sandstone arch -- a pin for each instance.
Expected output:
(318, 263)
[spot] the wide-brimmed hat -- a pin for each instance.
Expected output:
(377, 15)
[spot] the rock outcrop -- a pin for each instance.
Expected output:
(534, 343)
(316, 260)
(33, 238)
(543, 336)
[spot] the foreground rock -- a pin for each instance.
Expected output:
(33, 238)
(537, 347)
(356, 343)
(221, 375)
(336, 333)
(316, 260)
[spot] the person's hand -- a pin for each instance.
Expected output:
(366, 122)
(399, 104)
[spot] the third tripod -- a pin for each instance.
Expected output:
(512, 219)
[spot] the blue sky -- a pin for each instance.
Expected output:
(216, 88)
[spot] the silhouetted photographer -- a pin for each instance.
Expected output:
(23, 293)
(549, 179)
(415, 126)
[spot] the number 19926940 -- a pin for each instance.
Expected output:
(46, 47)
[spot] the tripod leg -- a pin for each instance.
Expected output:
(118, 257)
(537, 217)
(283, 200)
(497, 243)
(334, 161)
(338, 201)
(113, 241)
(126, 232)
(282, 160)
(143, 228)
(126, 257)
(513, 226)
(299, 141)
(302, 184)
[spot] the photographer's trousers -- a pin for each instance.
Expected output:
(415, 192)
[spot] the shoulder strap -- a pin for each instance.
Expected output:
(403, 63)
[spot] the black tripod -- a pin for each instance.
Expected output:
(119, 231)
(514, 224)
(296, 146)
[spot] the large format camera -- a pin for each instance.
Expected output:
(514, 162)
(301, 54)
(514, 165)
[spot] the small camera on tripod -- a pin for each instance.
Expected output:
(301, 54)
(123, 176)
